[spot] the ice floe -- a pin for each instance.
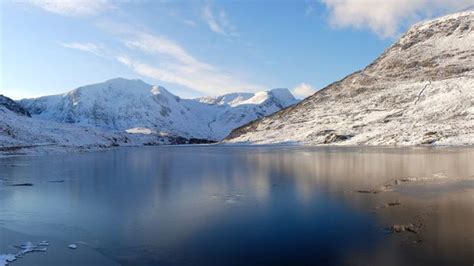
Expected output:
(387, 186)
(6, 258)
(24, 248)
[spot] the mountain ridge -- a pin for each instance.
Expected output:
(120, 104)
(13, 106)
(418, 91)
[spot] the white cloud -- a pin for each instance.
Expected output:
(218, 23)
(173, 63)
(303, 90)
(206, 82)
(155, 44)
(386, 17)
(176, 65)
(93, 48)
(74, 7)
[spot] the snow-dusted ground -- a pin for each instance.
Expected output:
(133, 106)
(419, 91)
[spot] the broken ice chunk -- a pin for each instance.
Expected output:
(72, 246)
(6, 258)
(29, 247)
(43, 243)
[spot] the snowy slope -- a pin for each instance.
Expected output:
(13, 106)
(22, 134)
(19, 132)
(419, 91)
(121, 105)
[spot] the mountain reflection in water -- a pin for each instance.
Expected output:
(224, 205)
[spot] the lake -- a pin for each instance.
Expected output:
(231, 205)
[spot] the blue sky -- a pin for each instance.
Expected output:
(197, 48)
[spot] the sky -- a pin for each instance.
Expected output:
(199, 47)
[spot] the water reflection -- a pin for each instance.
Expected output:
(235, 205)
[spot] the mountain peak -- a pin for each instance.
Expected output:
(446, 18)
(435, 49)
(13, 106)
(124, 83)
(121, 104)
(419, 91)
(284, 96)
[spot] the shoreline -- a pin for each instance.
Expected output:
(51, 149)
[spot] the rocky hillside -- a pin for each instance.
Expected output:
(419, 91)
(133, 106)
(13, 106)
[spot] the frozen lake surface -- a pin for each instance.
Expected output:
(224, 205)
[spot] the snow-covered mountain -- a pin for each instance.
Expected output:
(19, 131)
(419, 91)
(13, 106)
(133, 106)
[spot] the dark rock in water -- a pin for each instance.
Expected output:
(398, 228)
(13, 106)
(151, 144)
(401, 180)
(201, 141)
(411, 228)
(22, 185)
(177, 140)
(181, 140)
(431, 137)
(333, 137)
(365, 191)
(369, 191)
